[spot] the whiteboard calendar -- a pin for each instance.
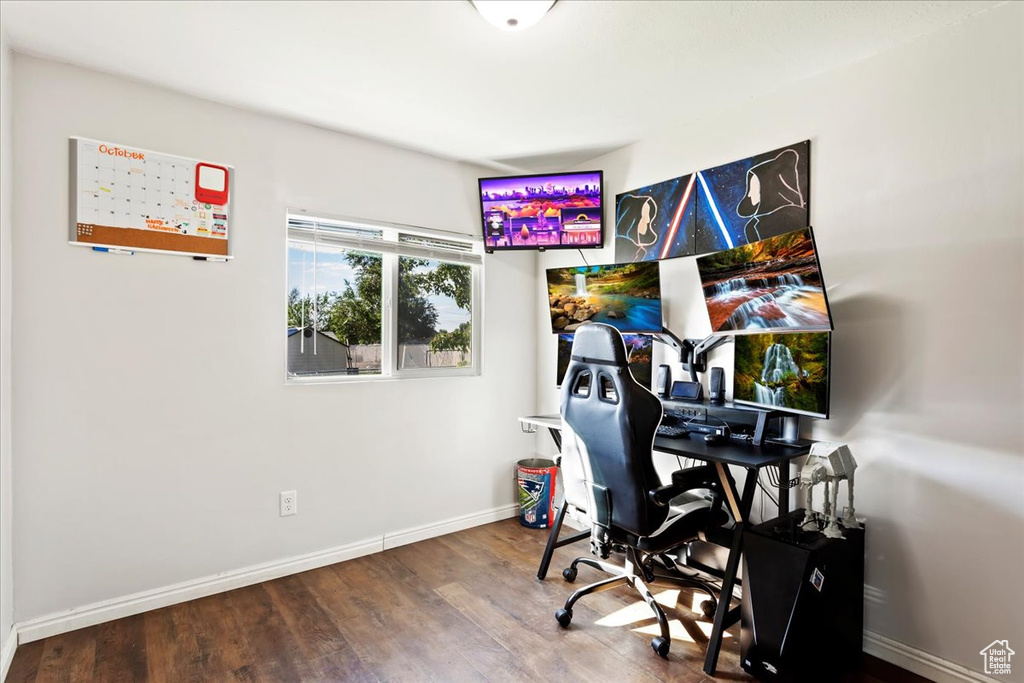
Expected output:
(129, 198)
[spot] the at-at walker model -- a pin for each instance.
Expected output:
(829, 463)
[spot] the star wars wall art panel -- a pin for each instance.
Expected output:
(752, 199)
(655, 222)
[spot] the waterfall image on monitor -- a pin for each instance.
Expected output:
(785, 371)
(773, 283)
(639, 350)
(625, 296)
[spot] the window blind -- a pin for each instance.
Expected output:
(384, 239)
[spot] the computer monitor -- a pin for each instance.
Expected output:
(775, 283)
(639, 350)
(556, 211)
(788, 372)
(626, 296)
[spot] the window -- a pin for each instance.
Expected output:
(380, 300)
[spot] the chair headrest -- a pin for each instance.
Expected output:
(599, 343)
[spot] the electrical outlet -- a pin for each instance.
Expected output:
(289, 503)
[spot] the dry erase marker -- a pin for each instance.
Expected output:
(112, 250)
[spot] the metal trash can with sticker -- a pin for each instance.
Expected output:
(535, 479)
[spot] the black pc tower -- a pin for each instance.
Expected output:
(802, 615)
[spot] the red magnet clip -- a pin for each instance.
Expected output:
(211, 184)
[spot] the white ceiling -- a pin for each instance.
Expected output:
(433, 76)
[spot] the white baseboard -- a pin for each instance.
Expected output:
(919, 662)
(448, 526)
(10, 644)
(144, 601)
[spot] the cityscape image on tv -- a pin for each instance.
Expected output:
(562, 210)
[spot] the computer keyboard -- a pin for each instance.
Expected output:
(672, 431)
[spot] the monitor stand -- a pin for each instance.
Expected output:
(789, 433)
(791, 428)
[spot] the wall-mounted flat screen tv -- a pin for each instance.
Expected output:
(639, 350)
(787, 372)
(626, 296)
(556, 211)
(774, 283)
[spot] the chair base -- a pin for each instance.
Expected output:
(637, 571)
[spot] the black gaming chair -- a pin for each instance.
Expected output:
(609, 424)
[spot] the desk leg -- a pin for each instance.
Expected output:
(555, 542)
(549, 549)
(556, 527)
(556, 436)
(715, 641)
(783, 488)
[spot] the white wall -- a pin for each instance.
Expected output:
(917, 184)
(6, 160)
(153, 427)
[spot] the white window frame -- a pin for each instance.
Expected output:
(343, 232)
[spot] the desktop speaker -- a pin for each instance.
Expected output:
(716, 392)
(664, 380)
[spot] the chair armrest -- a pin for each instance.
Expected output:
(702, 476)
(685, 480)
(663, 494)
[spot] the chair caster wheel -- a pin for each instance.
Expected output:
(660, 645)
(564, 616)
(709, 607)
(569, 574)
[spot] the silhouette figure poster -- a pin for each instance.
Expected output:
(754, 198)
(655, 222)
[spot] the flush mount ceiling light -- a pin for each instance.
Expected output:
(512, 15)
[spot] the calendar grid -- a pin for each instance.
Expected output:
(133, 198)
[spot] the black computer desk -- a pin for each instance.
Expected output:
(751, 458)
(738, 453)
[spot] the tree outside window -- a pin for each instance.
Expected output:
(433, 313)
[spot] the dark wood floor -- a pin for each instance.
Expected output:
(463, 607)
